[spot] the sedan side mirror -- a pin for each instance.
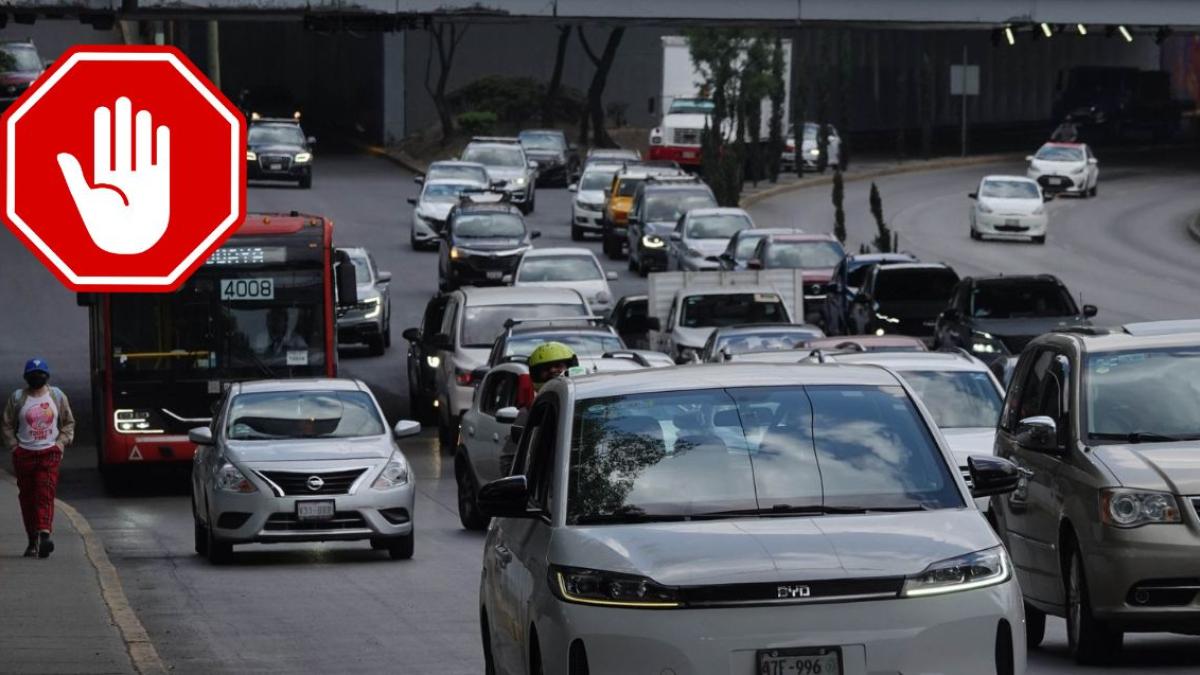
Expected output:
(412, 334)
(200, 436)
(507, 279)
(406, 428)
(507, 415)
(1028, 158)
(1093, 161)
(610, 275)
(532, 164)
(1089, 311)
(1047, 198)
(505, 498)
(384, 277)
(572, 188)
(412, 200)
(1038, 433)
(992, 475)
(419, 180)
(973, 195)
(312, 140)
(535, 234)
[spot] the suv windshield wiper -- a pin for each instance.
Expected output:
(1142, 437)
(810, 510)
(627, 517)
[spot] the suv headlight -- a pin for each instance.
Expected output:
(652, 241)
(230, 479)
(974, 570)
(303, 157)
(394, 475)
(251, 156)
(372, 307)
(984, 343)
(610, 589)
(1133, 508)
(129, 421)
(518, 181)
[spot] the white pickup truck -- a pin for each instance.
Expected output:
(685, 307)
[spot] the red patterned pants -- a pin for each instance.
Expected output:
(37, 482)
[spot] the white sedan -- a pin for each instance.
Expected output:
(1065, 167)
(575, 268)
(587, 208)
(432, 208)
(1009, 207)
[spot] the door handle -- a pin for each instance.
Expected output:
(496, 437)
(502, 554)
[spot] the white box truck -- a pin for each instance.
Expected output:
(686, 109)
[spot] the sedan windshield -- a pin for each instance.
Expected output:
(717, 226)
(495, 156)
(803, 254)
(741, 343)
(274, 134)
(670, 205)
(445, 192)
(489, 225)
(471, 173)
(1058, 153)
(1143, 395)
(957, 399)
(596, 180)
(482, 324)
(1014, 301)
(302, 414)
(728, 309)
(583, 344)
(1010, 189)
(566, 268)
(769, 451)
(540, 140)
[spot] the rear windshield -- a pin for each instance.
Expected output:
(481, 325)
(669, 205)
(444, 192)
(717, 226)
(565, 268)
(765, 341)
(957, 399)
(540, 140)
(694, 106)
(917, 285)
(703, 311)
(803, 254)
(583, 344)
(1015, 301)
(474, 173)
(767, 451)
(495, 156)
(302, 414)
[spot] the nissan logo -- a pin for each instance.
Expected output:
(315, 483)
(792, 591)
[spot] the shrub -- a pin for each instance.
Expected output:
(477, 122)
(513, 100)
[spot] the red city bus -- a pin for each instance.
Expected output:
(262, 306)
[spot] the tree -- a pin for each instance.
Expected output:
(715, 51)
(560, 56)
(444, 38)
(595, 96)
(778, 101)
(845, 81)
(839, 214)
(799, 104)
(883, 240)
(756, 84)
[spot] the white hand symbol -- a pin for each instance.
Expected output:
(125, 208)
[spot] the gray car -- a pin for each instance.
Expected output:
(508, 168)
(301, 460)
(702, 236)
(370, 320)
(1104, 527)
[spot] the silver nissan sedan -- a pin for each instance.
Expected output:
(301, 460)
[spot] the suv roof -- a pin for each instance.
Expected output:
(1016, 278)
(1145, 335)
(520, 295)
(724, 375)
(498, 140)
(914, 266)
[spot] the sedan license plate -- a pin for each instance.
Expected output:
(494, 275)
(315, 509)
(1054, 181)
(806, 661)
(1012, 222)
(276, 167)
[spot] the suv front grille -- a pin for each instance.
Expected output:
(265, 162)
(296, 483)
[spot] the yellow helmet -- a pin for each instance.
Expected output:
(548, 354)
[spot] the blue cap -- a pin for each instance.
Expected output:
(37, 364)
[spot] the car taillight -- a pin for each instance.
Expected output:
(463, 377)
(789, 148)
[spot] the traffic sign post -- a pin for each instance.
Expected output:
(123, 168)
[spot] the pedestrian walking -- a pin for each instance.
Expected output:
(37, 425)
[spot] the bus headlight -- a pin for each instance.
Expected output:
(130, 421)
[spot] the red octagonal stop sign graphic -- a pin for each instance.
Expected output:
(123, 168)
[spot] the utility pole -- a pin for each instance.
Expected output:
(214, 54)
(964, 102)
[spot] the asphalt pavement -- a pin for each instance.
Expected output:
(340, 607)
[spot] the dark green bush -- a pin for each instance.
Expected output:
(515, 101)
(477, 122)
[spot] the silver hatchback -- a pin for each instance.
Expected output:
(301, 460)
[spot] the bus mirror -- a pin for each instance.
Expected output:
(347, 285)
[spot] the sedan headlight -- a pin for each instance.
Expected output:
(652, 241)
(251, 156)
(230, 479)
(518, 181)
(983, 208)
(610, 589)
(974, 570)
(303, 157)
(1133, 508)
(394, 475)
(1041, 210)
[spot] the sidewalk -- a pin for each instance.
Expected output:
(53, 617)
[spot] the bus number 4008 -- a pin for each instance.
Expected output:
(248, 289)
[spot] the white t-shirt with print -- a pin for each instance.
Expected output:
(37, 423)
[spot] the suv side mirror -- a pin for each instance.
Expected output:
(1028, 158)
(535, 234)
(419, 180)
(200, 436)
(507, 415)
(973, 195)
(384, 277)
(652, 323)
(992, 475)
(1089, 311)
(505, 498)
(572, 188)
(1047, 197)
(610, 275)
(412, 334)
(312, 140)
(532, 164)
(1038, 433)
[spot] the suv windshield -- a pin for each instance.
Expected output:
(753, 451)
(932, 285)
(717, 226)
(302, 414)
(595, 180)
(803, 254)
(669, 205)
(1153, 394)
(957, 399)
(274, 134)
(472, 173)
(489, 225)
(19, 59)
(491, 155)
(565, 268)
(729, 309)
(482, 324)
(540, 140)
(1014, 301)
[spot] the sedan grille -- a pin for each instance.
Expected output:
(293, 483)
(288, 522)
(265, 162)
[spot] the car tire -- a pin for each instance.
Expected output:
(1091, 641)
(306, 182)
(379, 544)
(485, 636)
(387, 332)
(219, 552)
(468, 506)
(1035, 626)
(1039, 239)
(975, 235)
(375, 346)
(1095, 188)
(447, 429)
(576, 233)
(401, 548)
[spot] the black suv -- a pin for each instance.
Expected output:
(277, 149)
(658, 206)
(20, 65)
(843, 287)
(902, 299)
(557, 159)
(482, 244)
(990, 316)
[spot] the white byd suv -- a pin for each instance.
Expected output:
(742, 519)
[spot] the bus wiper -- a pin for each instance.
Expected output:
(266, 370)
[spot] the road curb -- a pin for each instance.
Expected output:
(908, 167)
(398, 157)
(142, 654)
(1193, 227)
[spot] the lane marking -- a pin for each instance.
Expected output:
(140, 648)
